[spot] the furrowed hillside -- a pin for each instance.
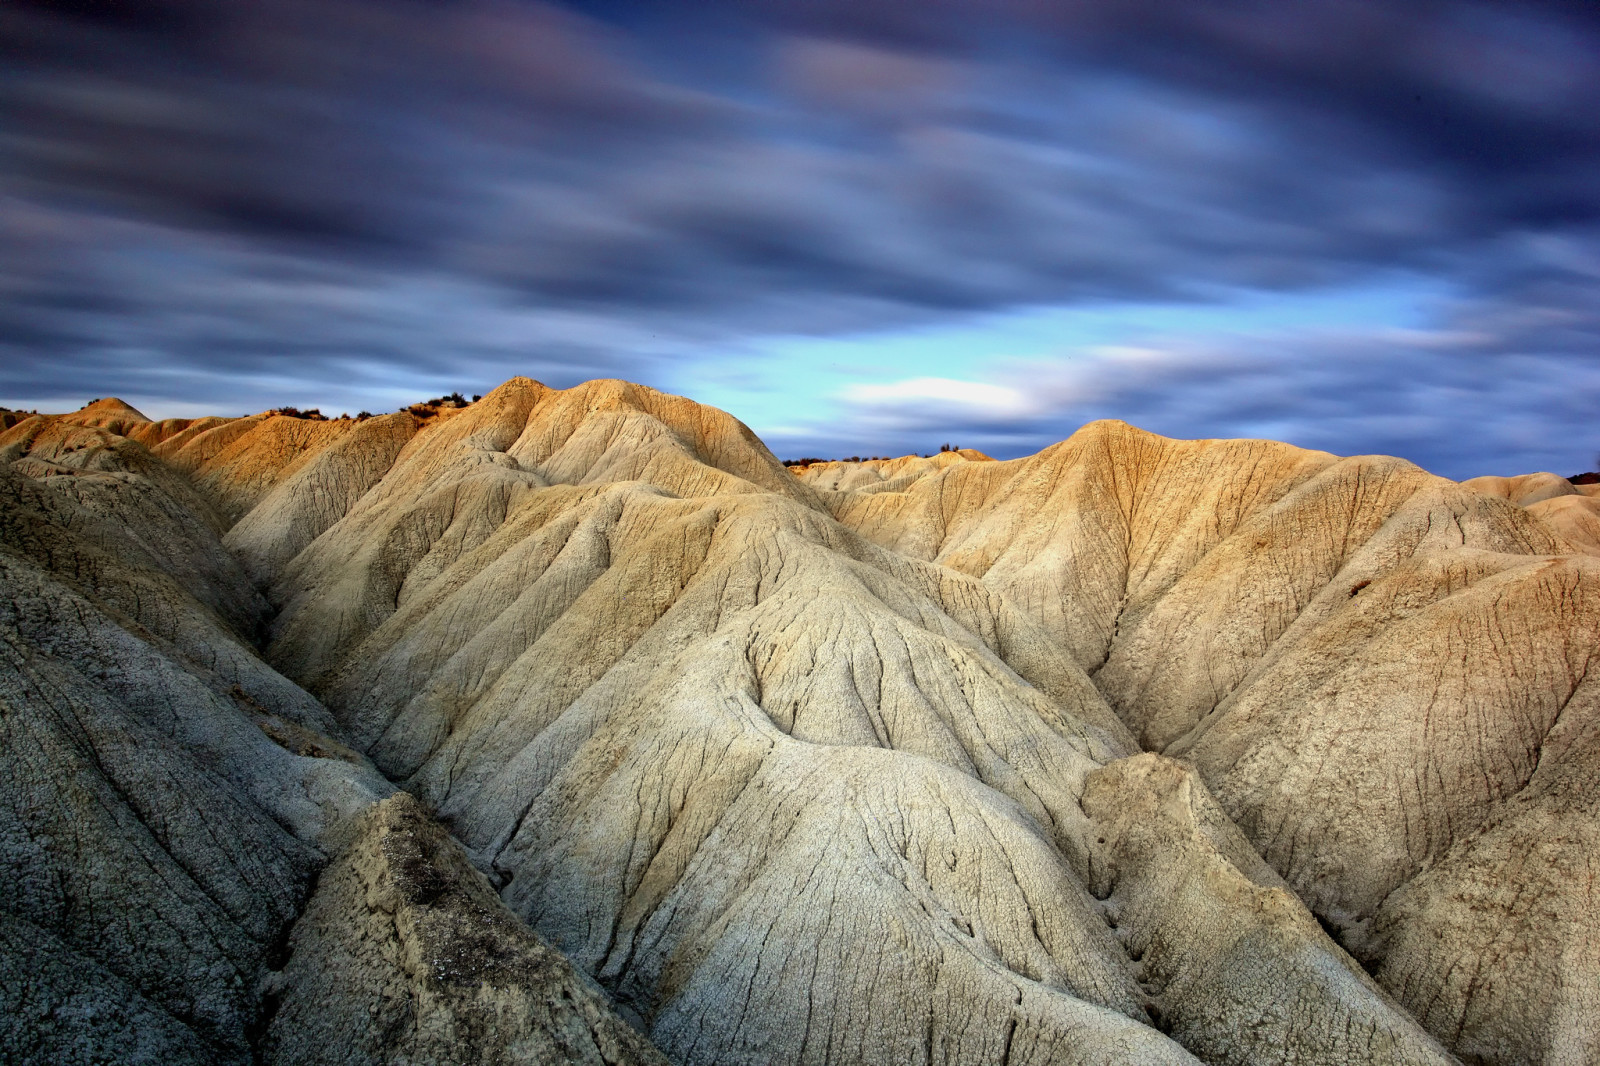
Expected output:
(1134, 750)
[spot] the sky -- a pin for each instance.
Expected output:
(865, 227)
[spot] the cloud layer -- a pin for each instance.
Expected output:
(350, 204)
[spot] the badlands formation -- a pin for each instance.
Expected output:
(570, 726)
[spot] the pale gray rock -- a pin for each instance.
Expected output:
(1238, 969)
(319, 493)
(134, 855)
(839, 764)
(405, 954)
(60, 1008)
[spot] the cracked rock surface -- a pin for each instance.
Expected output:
(405, 954)
(1135, 750)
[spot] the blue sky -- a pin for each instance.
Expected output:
(1009, 370)
(864, 227)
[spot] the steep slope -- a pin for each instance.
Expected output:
(166, 796)
(1267, 613)
(1576, 519)
(1226, 949)
(652, 708)
(405, 954)
(840, 764)
(1571, 511)
(235, 462)
(453, 485)
(156, 833)
(321, 490)
(566, 776)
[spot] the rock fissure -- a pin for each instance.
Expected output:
(841, 763)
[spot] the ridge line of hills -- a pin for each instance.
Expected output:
(515, 730)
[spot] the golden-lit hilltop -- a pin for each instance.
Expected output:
(1134, 750)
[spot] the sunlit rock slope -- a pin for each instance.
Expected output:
(1135, 750)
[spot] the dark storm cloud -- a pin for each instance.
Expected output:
(316, 199)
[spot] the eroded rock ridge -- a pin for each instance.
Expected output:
(333, 741)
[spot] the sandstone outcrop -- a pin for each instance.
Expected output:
(1571, 510)
(405, 954)
(1135, 750)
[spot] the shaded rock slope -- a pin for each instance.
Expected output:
(1135, 750)
(424, 964)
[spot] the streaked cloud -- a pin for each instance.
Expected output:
(942, 396)
(351, 205)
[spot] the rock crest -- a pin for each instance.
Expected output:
(1134, 750)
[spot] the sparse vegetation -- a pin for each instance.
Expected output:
(812, 461)
(362, 416)
(311, 414)
(430, 408)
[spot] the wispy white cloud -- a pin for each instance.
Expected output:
(974, 398)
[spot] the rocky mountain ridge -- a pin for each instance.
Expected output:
(1135, 750)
